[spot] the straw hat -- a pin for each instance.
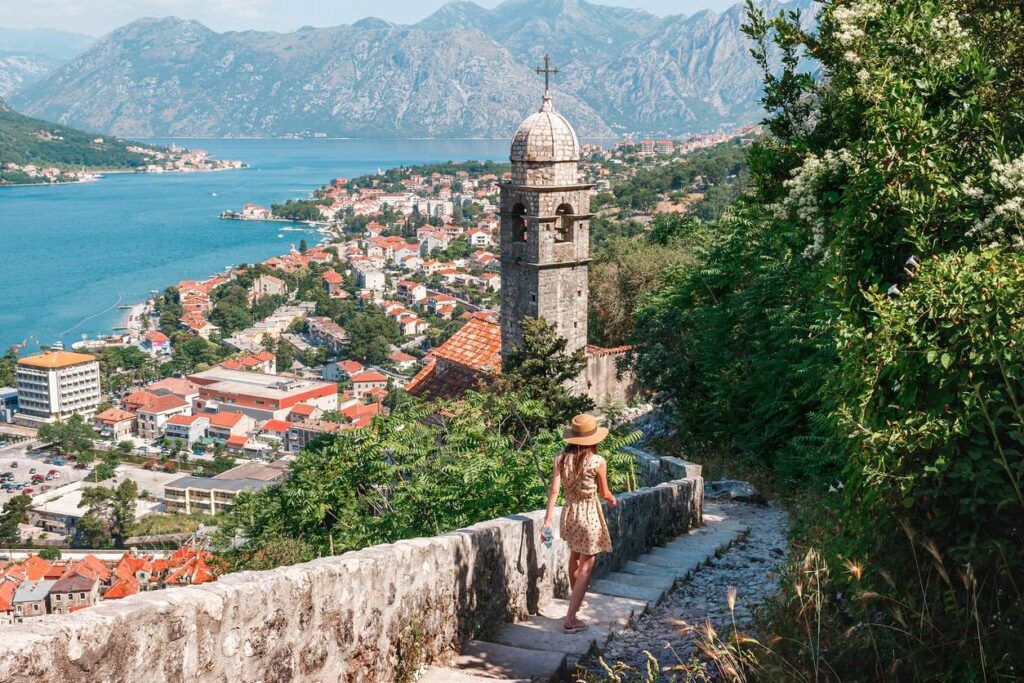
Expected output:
(584, 431)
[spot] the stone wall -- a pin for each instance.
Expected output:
(371, 615)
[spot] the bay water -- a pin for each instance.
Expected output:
(71, 254)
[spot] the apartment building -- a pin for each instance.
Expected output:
(201, 495)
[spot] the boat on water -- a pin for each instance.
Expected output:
(280, 235)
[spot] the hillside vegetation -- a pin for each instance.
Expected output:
(26, 140)
(854, 326)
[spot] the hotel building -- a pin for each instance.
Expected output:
(56, 385)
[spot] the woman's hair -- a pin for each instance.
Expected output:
(575, 458)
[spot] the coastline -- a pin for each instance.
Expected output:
(99, 174)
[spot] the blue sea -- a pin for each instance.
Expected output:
(70, 254)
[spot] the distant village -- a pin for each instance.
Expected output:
(254, 363)
(172, 159)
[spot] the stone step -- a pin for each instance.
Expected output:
(438, 674)
(647, 580)
(644, 569)
(627, 590)
(545, 634)
(605, 610)
(503, 662)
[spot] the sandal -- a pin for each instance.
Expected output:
(576, 627)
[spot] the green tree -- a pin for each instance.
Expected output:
(13, 514)
(8, 362)
(544, 371)
(371, 334)
(286, 355)
(68, 436)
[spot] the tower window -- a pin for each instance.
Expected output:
(518, 223)
(564, 225)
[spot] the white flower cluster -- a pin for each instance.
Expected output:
(801, 201)
(850, 19)
(1006, 219)
(950, 41)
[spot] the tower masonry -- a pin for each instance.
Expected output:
(545, 230)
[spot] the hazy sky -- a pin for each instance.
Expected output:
(96, 17)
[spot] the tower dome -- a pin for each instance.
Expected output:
(545, 136)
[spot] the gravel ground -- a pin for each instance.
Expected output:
(751, 565)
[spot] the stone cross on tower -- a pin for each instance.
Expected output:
(545, 229)
(547, 71)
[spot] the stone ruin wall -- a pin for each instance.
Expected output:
(602, 379)
(371, 615)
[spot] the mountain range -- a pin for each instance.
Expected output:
(27, 55)
(464, 71)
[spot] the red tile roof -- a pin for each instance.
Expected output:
(302, 409)
(156, 337)
(351, 366)
(7, 589)
(225, 419)
(164, 403)
(115, 415)
(275, 426)
(477, 345)
(369, 376)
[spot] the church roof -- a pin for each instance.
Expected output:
(471, 356)
(545, 136)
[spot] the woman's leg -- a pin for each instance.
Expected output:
(574, 567)
(584, 567)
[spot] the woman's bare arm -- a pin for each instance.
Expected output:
(602, 484)
(556, 483)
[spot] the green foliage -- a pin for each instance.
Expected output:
(936, 413)
(21, 142)
(8, 362)
(110, 513)
(719, 166)
(299, 209)
(192, 351)
(49, 553)
(542, 369)
(856, 319)
(371, 333)
(13, 514)
(70, 436)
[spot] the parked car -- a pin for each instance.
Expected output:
(14, 464)
(72, 457)
(27, 491)
(49, 477)
(48, 461)
(60, 463)
(55, 473)
(32, 470)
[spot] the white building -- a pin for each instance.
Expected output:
(56, 385)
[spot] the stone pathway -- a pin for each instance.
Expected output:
(751, 565)
(536, 649)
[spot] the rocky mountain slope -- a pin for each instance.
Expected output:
(465, 71)
(27, 56)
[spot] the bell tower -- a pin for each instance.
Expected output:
(545, 229)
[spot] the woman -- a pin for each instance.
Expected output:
(585, 475)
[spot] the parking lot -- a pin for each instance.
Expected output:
(30, 464)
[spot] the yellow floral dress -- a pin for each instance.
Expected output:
(582, 525)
